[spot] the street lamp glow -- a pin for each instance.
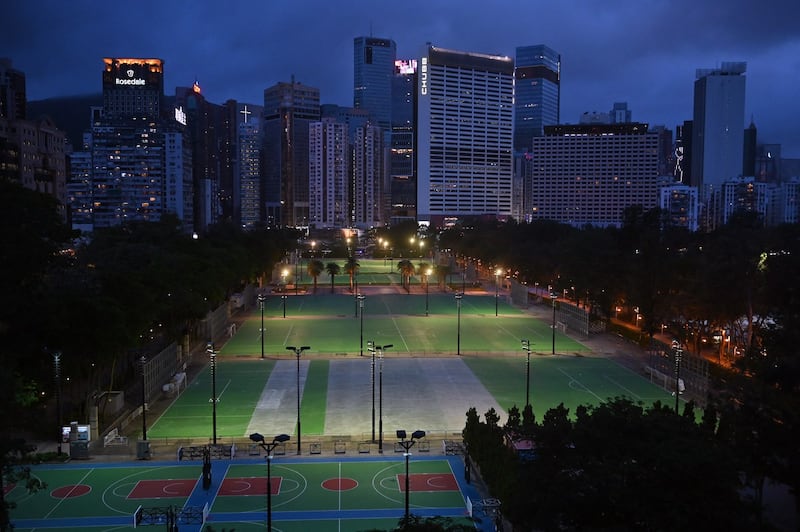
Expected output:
(497, 273)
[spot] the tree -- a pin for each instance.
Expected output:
(351, 268)
(406, 269)
(315, 268)
(333, 270)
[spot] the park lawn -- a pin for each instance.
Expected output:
(239, 386)
(315, 397)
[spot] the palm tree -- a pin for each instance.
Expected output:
(422, 271)
(406, 269)
(442, 271)
(315, 268)
(351, 268)
(333, 270)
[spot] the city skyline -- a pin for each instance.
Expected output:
(643, 54)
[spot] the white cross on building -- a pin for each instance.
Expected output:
(245, 112)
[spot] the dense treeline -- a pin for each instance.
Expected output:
(741, 278)
(100, 301)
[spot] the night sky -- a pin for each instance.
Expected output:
(644, 52)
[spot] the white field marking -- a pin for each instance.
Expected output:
(623, 387)
(223, 390)
(65, 498)
(302, 487)
(402, 339)
(288, 333)
(573, 379)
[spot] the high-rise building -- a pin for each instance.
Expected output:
(289, 109)
(32, 152)
(141, 165)
(211, 202)
(537, 93)
(248, 175)
(589, 174)
(369, 200)
(718, 126)
(679, 205)
(402, 188)
(13, 100)
(373, 61)
(328, 185)
(465, 137)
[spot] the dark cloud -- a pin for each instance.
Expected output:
(644, 52)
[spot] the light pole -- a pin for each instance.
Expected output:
(262, 302)
(283, 297)
(428, 273)
(213, 354)
(380, 349)
(678, 352)
(371, 349)
(553, 297)
(361, 339)
(57, 375)
(297, 351)
(269, 447)
(526, 346)
(407, 445)
(459, 296)
(143, 364)
(497, 273)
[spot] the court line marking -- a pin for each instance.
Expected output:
(288, 334)
(65, 498)
(573, 379)
(638, 398)
(402, 338)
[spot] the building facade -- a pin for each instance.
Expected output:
(718, 126)
(402, 187)
(537, 93)
(373, 62)
(369, 199)
(289, 110)
(589, 174)
(465, 135)
(329, 198)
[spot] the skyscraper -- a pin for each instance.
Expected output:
(465, 142)
(328, 187)
(369, 200)
(373, 62)
(402, 188)
(537, 93)
(289, 109)
(718, 126)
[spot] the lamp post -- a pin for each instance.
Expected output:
(380, 349)
(269, 447)
(371, 349)
(428, 273)
(497, 273)
(213, 354)
(262, 302)
(142, 364)
(283, 297)
(361, 338)
(57, 375)
(459, 297)
(526, 346)
(297, 351)
(678, 353)
(407, 445)
(553, 297)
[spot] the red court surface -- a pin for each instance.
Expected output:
(249, 486)
(339, 484)
(66, 492)
(162, 489)
(428, 482)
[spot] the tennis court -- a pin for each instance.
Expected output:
(306, 494)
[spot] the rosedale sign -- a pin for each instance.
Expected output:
(131, 80)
